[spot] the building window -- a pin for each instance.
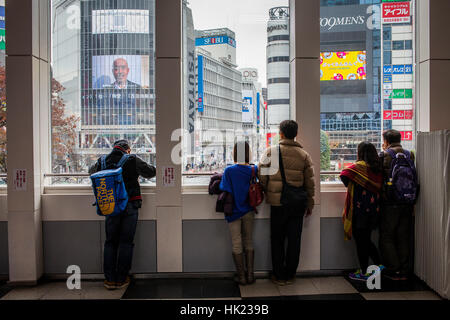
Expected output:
(233, 90)
(103, 85)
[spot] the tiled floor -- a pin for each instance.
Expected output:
(304, 288)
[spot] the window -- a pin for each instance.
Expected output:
(103, 82)
(236, 81)
(3, 119)
(363, 92)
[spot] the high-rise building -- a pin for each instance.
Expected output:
(398, 69)
(278, 67)
(253, 112)
(350, 84)
(218, 95)
(103, 55)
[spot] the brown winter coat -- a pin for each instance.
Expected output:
(298, 168)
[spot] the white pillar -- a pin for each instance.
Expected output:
(433, 65)
(28, 72)
(168, 109)
(305, 108)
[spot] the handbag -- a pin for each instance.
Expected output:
(291, 196)
(255, 192)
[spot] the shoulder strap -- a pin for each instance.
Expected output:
(283, 176)
(391, 153)
(122, 161)
(103, 163)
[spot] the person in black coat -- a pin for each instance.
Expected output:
(120, 229)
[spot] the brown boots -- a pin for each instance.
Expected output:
(240, 271)
(249, 259)
(244, 275)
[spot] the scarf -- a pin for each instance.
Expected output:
(361, 174)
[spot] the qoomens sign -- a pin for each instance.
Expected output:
(396, 12)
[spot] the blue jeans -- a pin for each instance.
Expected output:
(118, 253)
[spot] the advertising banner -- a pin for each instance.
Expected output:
(2, 39)
(258, 111)
(402, 69)
(120, 21)
(387, 69)
(215, 40)
(406, 135)
(401, 94)
(247, 106)
(120, 72)
(397, 114)
(396, 12)
(200, 83)
(345, 65)
(2, 17)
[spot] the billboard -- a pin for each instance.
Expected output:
(2, 16)
(121, 72)
(397, 114)
(120, 21)
(215, 40)
(344, 65)
(396, 12)
(200, 83)
(247, 106)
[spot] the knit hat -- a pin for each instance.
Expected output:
(122, 144)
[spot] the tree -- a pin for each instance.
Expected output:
(324, 151)
(64, 135)
(63, 127)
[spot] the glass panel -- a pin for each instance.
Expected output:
(3, 120)
(358, 99)
(236, 80)
(103, 85)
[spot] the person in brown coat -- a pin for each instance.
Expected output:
(286, 223)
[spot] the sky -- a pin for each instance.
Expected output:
(247, 18)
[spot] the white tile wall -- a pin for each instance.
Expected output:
(402, 53)
(402, 61)
(401, 36)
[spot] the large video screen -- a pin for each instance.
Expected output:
(120, 21)
(344, 65)
(121, 72)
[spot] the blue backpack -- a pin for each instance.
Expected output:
(402, 184)
(109, 189)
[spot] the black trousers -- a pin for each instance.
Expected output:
(365, 248)
(285, 226)
(395, 238)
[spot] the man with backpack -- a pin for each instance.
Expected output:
(120, 229)
(290, 191)
(399, 194)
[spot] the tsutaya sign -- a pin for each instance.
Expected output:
(349, 18)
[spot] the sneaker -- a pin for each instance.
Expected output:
(359, 276)
(124, 284)
(396, 276)
(278, 282)
(110, 285)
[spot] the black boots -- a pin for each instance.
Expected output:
(249, 259)
(240, 271)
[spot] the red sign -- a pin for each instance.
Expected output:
(396, 12)
(397, 114)
(406, 135)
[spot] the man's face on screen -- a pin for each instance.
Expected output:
(120, 70)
